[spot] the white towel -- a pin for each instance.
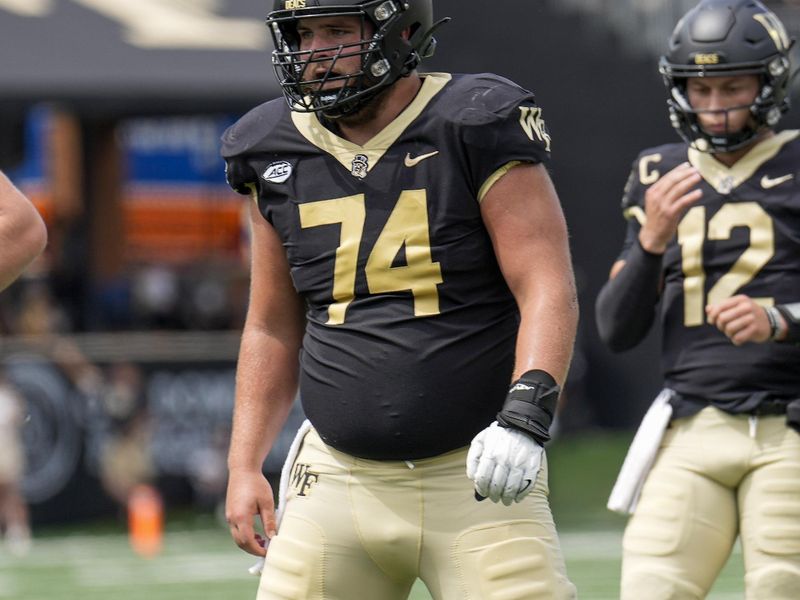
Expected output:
(641, 455)
(283, 486)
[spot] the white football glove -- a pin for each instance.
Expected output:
(503, 463)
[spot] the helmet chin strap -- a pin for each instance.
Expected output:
(728, 141)
(344, 102)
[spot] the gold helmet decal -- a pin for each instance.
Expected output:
(775, 29)
(707, 58)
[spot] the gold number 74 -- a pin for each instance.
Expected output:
(407, 227)
(691, 236)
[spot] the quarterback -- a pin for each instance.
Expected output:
(411, 276)
(714, 237)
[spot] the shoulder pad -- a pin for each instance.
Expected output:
(649, 167)
(253, 128)
(789, 153)
(669, 154)
(482, 98)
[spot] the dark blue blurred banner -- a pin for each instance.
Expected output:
(173, 415)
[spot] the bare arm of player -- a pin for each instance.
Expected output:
(743, 320)
(524, 219)
(23, 234)
(266, 384)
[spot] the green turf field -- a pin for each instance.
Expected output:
(199, 562)
(203, 564)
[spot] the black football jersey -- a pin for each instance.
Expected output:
(741, 237)
(411, 328)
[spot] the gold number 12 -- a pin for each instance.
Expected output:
(691, 236)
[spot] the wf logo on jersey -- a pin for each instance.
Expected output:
(303, 478)
(360, 166)
(726, 184)
(532, 124)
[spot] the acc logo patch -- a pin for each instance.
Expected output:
(359, 166)
(277, 172)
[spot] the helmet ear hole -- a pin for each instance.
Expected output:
(290, 36)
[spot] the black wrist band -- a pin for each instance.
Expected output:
(531, 404)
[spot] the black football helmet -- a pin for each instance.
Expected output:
(386, 54)
(724, 38)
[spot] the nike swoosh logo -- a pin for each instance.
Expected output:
(413, 162)
(767, 182)
(528, 483)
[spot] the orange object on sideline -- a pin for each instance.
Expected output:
(145, 521)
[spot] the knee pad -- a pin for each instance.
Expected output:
(658, 586)
(659, 523)
(293, 569)
(777, 532)
(511, 560)
(775, 582)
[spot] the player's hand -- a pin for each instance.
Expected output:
(666, 201)
(250, 495)
(503, 463)
(741, 319)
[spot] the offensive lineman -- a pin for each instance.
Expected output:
(714, 234)
(409, 248)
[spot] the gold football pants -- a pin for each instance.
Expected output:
(356, 528)
(717, 476)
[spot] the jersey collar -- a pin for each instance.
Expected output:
(310, 128)
(725, 179)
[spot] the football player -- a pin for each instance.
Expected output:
(714, 236)
(411, 273)
(23, 234)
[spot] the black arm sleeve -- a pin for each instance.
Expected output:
(791, 314)
(626, 306)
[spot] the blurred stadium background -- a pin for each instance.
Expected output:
(122, 338)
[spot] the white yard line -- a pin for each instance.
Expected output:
(185, 569)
